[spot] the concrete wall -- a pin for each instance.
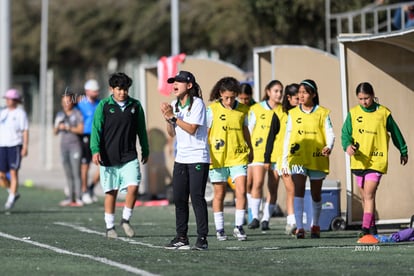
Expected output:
(292, 64)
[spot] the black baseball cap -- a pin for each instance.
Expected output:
(182, 76)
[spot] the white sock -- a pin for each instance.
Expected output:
(267, 211)
(255, 206)
(316, 212)
(265, 215)
(298, 205)
(219, 220)
(249, 197)
(109, 220)
(290, 219)
(126, 213)
(239, 217)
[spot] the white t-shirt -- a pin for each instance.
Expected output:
(192, 148)
(12, 124)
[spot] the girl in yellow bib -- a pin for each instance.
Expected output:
(261, 116)
(246, 97)
(273, 160)
(309, 140)
(365, 138)
(230, 151)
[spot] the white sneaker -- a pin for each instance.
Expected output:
(239, 233)
(91, 191)
(86, 198)
(111, 233)
(10, 202)
(129, 232)
(221, 236)
(65, 202)
(77, 203)
(290, 229)
(8, 205)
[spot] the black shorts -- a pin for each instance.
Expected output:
(86, 150)
(10, 158)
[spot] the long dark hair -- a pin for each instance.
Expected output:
(311, 88)
(224, 84)
(194, 91)
(269, 86)
(290, 90)
(246, 88)
(366, 88)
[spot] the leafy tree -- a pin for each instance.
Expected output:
(87, 33)
(25, 36)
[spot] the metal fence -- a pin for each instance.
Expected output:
(372, 19)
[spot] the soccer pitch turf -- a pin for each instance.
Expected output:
(40, 238)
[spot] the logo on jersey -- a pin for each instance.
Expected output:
(258, 142)
(375, 152)
(241, 149)
(225, 128)
(294, 148)
(317, 153)
(219, 143)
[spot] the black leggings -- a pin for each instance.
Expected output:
(190, 180)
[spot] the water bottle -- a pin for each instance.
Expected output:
(383, 238)
(249, 215)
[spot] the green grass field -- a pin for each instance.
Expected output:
(41, 238)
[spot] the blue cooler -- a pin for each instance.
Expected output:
(331, 207)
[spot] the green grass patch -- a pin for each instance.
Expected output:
(41, 238)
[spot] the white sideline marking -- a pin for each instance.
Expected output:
(338, 247)
(86, 230)
(98, 259)
(233, 248)
(237, 248)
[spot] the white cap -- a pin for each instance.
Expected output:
(91, 85)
